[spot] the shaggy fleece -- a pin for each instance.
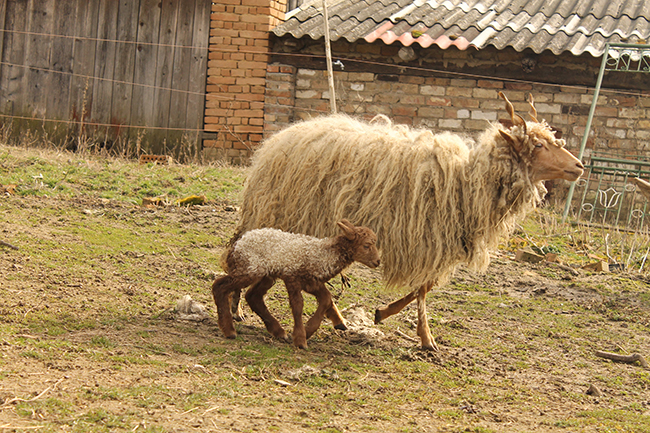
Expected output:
(434, 200)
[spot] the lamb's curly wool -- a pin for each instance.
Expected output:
(274, 252)
(303, 262)
(435, 201)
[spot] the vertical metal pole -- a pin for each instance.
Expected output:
(328, 57)
(599, 82)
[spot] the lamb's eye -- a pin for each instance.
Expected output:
(538, 144)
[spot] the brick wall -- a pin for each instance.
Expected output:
(237, 68)
(621, 122)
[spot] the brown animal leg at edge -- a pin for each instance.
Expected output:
(395, 307)
(255, 299)
(428, 343)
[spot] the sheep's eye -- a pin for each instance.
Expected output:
(538, 144)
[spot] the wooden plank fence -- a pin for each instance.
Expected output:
(114, 71)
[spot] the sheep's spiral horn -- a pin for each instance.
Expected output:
(533, 112)
(516, 119)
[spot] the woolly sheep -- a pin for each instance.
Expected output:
(303, 262)
(434, 200)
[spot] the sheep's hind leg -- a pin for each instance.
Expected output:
(255, 299)
(395, 307)
(428, 343)
(222, 290)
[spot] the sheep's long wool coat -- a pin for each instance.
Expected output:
(435, 201)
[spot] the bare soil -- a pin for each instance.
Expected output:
(90, 341)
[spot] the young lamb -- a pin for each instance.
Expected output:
(434, 200)
(303, 262)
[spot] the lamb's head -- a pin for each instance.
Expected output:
(536, 145)
(363, 243)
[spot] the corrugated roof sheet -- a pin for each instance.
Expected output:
(577, 26)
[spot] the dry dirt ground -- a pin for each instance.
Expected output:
(90, 341)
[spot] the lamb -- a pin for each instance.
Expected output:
(435, 200)
(303, 262)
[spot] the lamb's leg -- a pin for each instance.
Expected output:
(423, 330)
(334, 315)
(235, 306)
(294, 289)
(222, 290)
(325, 306)
(395, 307)
(255, 299)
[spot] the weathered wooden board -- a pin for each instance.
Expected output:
(111, 67)
(85, 46)
(127, 29)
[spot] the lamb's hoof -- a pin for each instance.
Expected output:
(377, 317)
(302, 346)
(341, 327)
(238, 318)
(231, 336)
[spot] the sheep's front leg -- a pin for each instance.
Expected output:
(325, 306)
(255, 299)
(395, 307)
(423, 330)
(295, 300)
(222, 290)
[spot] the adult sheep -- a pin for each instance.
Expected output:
(434, 200)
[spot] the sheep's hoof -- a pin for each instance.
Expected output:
(231, 336)
(431, 347)
(377, 317)
(341, 327)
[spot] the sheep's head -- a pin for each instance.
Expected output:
(536, 144)
(364, 243)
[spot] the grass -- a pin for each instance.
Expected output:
(90, 344)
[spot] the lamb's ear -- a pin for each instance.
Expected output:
(347, 223)
(348, 229)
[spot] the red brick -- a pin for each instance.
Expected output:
(225, 17)
(226, 2)
(400, 110)
(490, 84)
(249, 128)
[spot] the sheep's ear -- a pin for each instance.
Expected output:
(348, 229)
(512, 141)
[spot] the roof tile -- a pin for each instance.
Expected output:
(577, 26)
